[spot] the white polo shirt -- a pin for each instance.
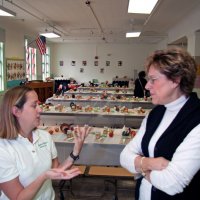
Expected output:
(28, 160)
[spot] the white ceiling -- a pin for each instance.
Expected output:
(101, 21)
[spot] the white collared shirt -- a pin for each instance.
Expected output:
(28, 160)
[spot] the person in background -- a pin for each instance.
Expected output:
(91, 84)
(73, 85)
(60, 90)
(165, 153)
(115, 82)
(28, 155)
(140, 83)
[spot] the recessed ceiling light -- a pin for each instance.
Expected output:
(133, 34)
(141, 6)
(6, 12)
(50, 34)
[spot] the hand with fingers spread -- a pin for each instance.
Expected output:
(80, 133)
(30, 175)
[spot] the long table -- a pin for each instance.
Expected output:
(98, 93)
(96, 101)
(94, 118)
(105, 88)
(94, 152)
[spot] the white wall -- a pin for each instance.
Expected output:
(187, 27)
(132, 56)
(14, 41)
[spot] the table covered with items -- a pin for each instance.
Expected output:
(102, 145)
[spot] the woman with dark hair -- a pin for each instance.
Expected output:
(140, 84)
(165, 153)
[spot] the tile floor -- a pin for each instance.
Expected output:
(95, 189)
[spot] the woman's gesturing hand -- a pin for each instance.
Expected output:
(80, 133)
(59, 173)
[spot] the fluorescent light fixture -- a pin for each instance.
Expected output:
(6, 12)
(50, 35)
(133, 34)
(141, 6)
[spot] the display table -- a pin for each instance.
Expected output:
(99, 93)
(105, 89)
(96, 101)
(102, 151)
(96, 116)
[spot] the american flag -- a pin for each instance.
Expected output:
(41, 43)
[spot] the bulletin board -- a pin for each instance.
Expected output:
(15, 72)
(15, 69)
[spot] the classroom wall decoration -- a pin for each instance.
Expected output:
(73, 63)
(81, 70)
(61, 63)
(119, 63)
(102, 70)
(15, 69)
(84, 63)
(107, 63)
(96, 63)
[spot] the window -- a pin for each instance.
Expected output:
(46, 64)
(30, 62)
(1, 68)
(31, 66)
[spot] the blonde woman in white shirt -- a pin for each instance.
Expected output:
(28, 155)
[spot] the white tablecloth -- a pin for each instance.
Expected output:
(94, 152)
